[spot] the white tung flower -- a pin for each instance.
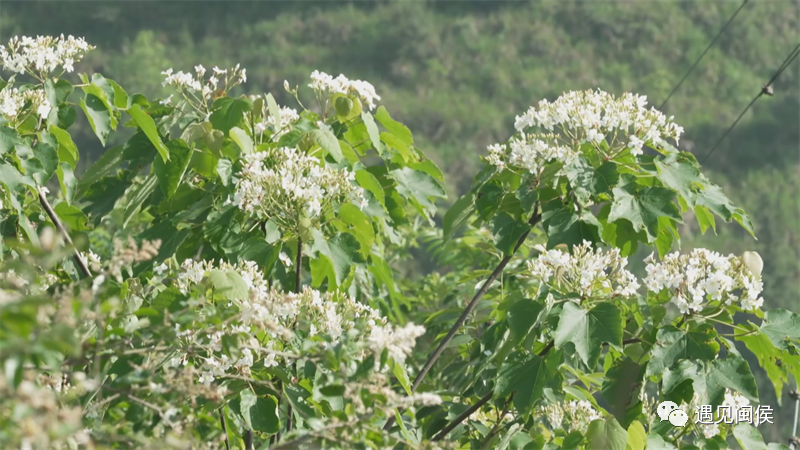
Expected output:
(326, 84)
(399, 342)
(284, 182)
(586, 271)
(594, 114)
(704, 276)
(44, 54)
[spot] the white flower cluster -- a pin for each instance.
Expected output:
(331, 314)
(200, 92)
(43, 55)
(531, 153)
(597, 115)
(399, 342)
(283, 182)
(574, 415)
(327, 85)
(13, 102)
(703, 275)
(586, 271)
(288, 117)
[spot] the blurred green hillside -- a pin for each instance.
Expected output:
(458, 72)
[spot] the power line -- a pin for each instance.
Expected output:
(766, 89)
(711, 44)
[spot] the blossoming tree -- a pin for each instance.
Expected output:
(225, 278)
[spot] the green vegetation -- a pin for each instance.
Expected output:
(457, 73)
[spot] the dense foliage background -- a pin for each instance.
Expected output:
(456, 73)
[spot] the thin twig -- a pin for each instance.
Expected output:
(499, 422)
(248, 439)
(224, 428)
(60, 227)
(298, 264)
(535, 217)
(451, 426)
(482, 402)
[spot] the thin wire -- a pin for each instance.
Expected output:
(711, 44)
(786, 63)
(796, 411)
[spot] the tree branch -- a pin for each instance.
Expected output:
(224, 428)
(535, 217)
(485, 399)
(482, 402)
(60, 227)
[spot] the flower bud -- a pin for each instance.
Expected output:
(753, 262)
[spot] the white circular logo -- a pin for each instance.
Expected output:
(664, 408)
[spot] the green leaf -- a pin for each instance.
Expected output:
(328, 141)
(522, 316)
(227, 113)
(225, 171)
(102, 195)
(72, 217)
(567, 226)
(748, 437)
(259, 413)
(8, 139)
(148, 126)
(383, 274)
(372, 130)
(402, 149)
(137, 197)
(47, 155)
(273, 108)
(782, 327)
(259, 251)
(368, 181)
(680, 173)
(642, 207)
(419, 185)
(171, 238)
(67, 181)
(167, 299)
(527, 376)
(656, 442)
(108, 161)
(733, 373)
(67, 150)
(769, 358)
(334, 257)
(241, 138)
(667, 235)
(229, 283)
(399, 130)
(606, 434)
(621, 386)
(705, 219)
(507, 231)
(637, 436)
(120, 96)
(673, 345)
(399, 371)
(359, 225)
(98, 115)
(713, 198)
(458, 215)
(586, 181)
(587, 330)
(58, 92)
(488, 200)
(170, 171)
